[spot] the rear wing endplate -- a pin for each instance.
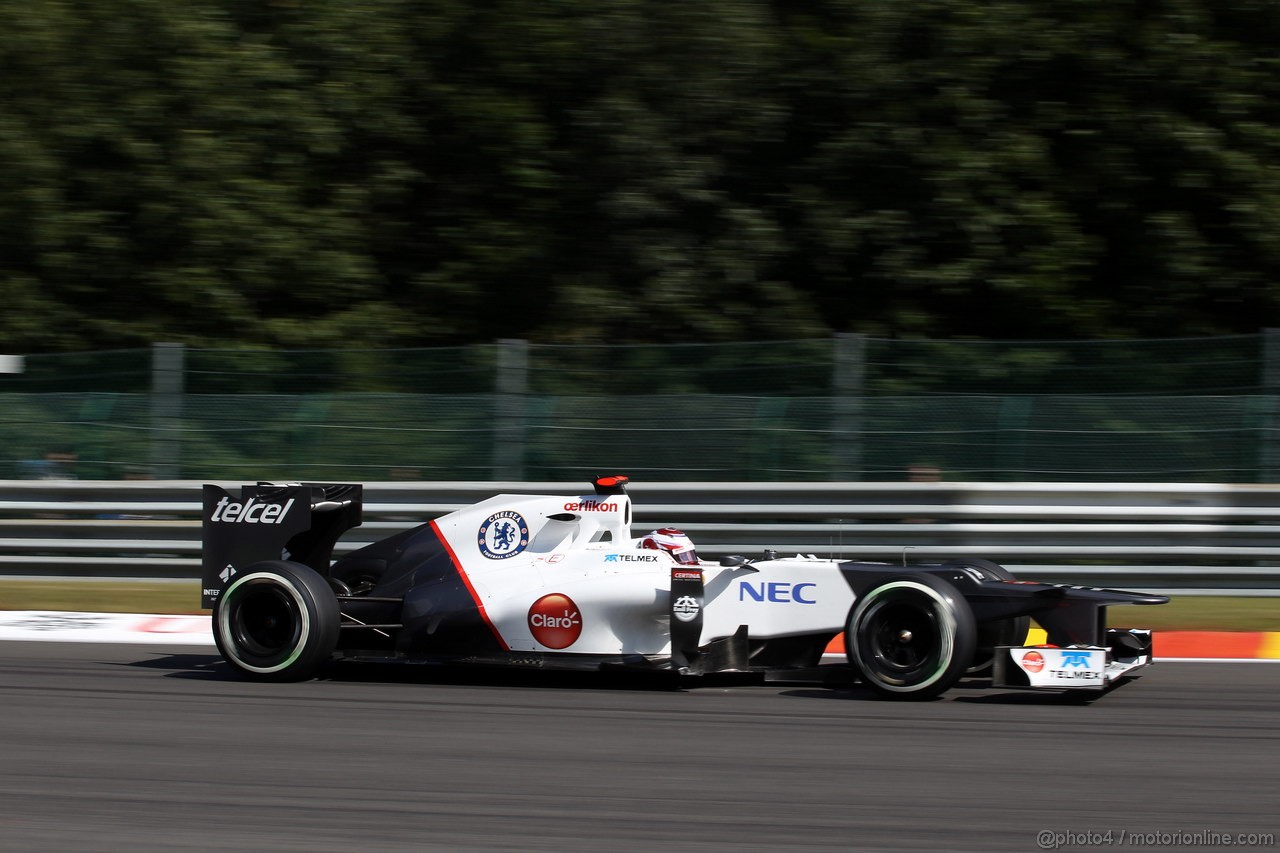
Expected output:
(269, 521)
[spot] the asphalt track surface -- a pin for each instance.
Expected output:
(138, 748)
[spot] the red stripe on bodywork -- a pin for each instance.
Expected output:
(457, 564)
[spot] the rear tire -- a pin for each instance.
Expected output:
(1004, 632)
(278, 621)
(911, 637)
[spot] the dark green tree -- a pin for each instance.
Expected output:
(384, 173)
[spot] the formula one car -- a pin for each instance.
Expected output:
(560, 583)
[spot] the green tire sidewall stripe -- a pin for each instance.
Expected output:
(947, 624)
(224, 622)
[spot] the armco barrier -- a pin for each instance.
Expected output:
(1183, 537)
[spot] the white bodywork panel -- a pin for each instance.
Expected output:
(1049, 667)
(777, 598)
(566, 571)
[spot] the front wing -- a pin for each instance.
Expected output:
(1077, 667)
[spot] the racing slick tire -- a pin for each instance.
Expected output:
(911, 637)
(1002, 632)
(278, 621)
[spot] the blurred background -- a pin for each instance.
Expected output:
(383, 239)
(847, 407)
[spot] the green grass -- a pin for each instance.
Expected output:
(1202, 613)
(1187, 613)
(101, 596)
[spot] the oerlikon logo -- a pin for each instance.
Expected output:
(555, 621)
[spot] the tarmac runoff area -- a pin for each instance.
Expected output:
(194, 630)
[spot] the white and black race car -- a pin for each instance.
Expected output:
(559, 582)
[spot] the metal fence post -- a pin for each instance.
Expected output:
(511, 388)
(848, 386)
(1269, 438)
(167, 385)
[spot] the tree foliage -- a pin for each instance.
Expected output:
(391, 173)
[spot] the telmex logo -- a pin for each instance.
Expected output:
(591, 506)
(778, 592)
(554, 621)
(1076, 659)
(250, 512)
(630, 558)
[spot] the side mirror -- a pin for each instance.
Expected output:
(734, 561)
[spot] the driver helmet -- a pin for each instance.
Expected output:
(674, 542)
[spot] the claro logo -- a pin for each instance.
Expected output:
(250, 512)
(555, 621)
(1032, 662)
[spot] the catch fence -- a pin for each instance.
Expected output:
(845, 409)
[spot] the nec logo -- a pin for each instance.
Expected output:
(251, 512)
(778, 592)
(1076, 659)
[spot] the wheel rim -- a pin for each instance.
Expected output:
(265, 622)
(902, 638)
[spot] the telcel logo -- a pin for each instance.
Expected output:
(779, 592)
(250, 512)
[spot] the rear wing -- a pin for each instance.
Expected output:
(271, 521)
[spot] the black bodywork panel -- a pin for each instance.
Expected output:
(1070, 615)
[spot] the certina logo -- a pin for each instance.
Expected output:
(250, 512)
(503, 534)
(555, 621)
(685, 608)
(778, 592)
(1032, 662)
(685, 575)
(591, 506)
(631, 558)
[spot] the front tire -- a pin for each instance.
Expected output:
(1002, 632)
(911, 637)
(278, 621)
